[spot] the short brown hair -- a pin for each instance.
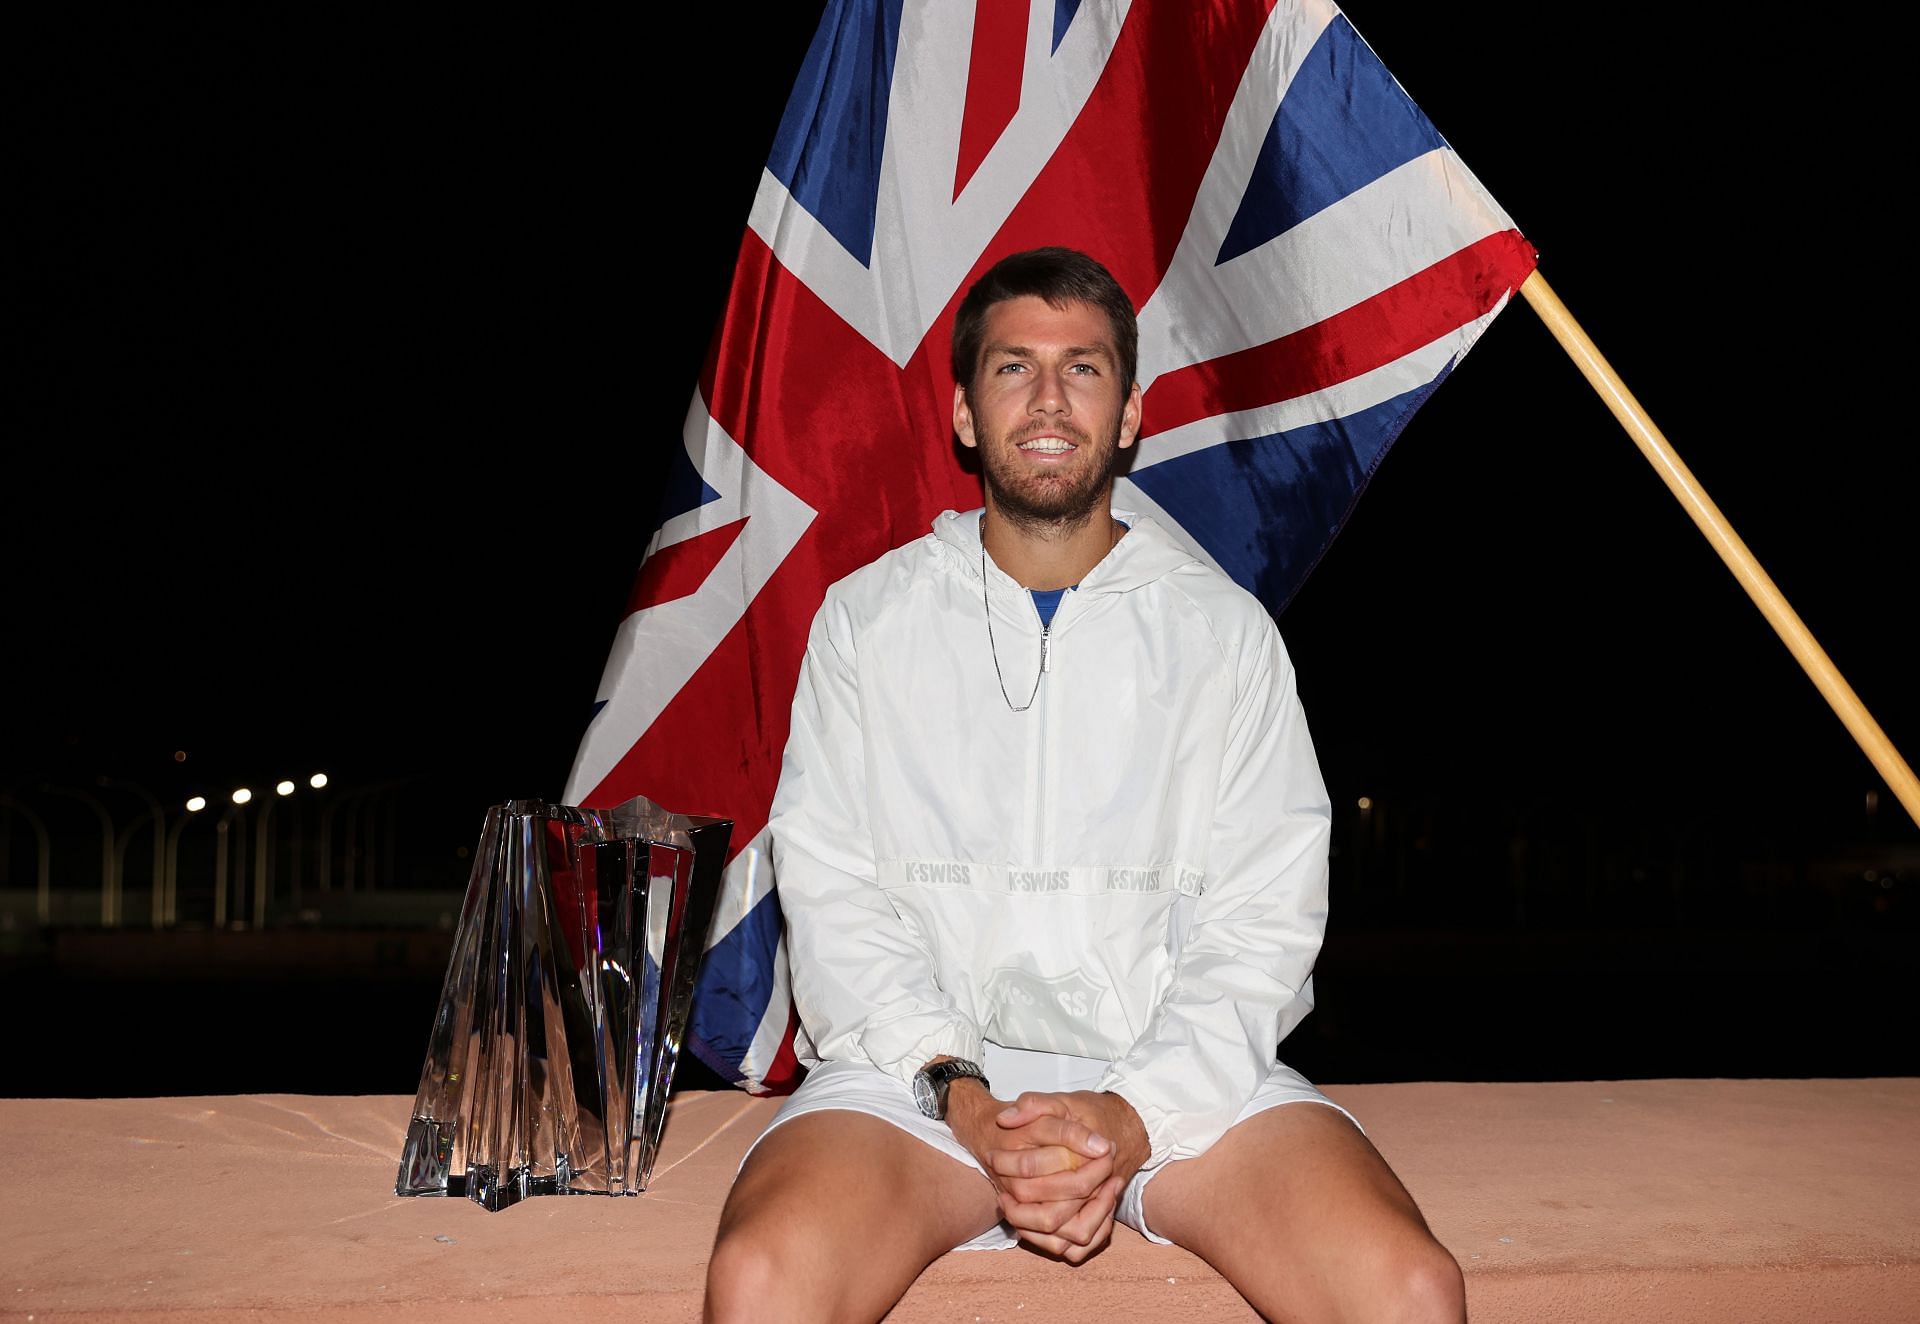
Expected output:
(1058, 275)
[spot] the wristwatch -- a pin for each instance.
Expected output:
(930, 1084)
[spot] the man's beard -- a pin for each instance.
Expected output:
(1048, 504)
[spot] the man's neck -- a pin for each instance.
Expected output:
(1048, 556)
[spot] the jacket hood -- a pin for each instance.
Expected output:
(1146, 554)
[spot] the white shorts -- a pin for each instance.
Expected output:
(859, 1087)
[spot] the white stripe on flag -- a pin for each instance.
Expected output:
(657, 649)
(1337, 401)
(1317, 268)
(926, 240)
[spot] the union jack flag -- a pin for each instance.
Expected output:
(1309, 259)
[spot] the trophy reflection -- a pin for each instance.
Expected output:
(565, 1003)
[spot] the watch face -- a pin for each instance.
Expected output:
(923, 1095)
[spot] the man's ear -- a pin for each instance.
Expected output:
(1130, 417)
(963, 417)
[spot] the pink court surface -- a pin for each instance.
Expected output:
(1622, 1201)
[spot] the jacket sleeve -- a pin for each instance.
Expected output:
(862, 979)
(1242, 980)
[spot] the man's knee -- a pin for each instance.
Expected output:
(1422, 1282)
(754, 1263)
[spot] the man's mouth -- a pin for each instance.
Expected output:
(1047, 446)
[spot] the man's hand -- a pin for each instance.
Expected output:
(1060, 1166)
(1064, 1162)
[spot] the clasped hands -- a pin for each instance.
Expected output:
(1058, 1161)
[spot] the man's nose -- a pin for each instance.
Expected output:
(1049, 393)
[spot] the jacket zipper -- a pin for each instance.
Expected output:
(1040, 761)
(1042, 853)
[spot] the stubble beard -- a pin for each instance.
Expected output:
(1039, 505)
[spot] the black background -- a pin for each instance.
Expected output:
(341, 337)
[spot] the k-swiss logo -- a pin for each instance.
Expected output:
(951, 875)
(1038, 880)
(1053, 1014)
(1135, 880)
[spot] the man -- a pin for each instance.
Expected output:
(1051, 845)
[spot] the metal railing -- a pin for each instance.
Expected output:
(268, 857)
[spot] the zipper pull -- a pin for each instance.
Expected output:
(1046, 650)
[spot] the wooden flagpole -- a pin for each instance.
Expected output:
(1687, 491)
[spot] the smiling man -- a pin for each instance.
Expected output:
(1051, 844)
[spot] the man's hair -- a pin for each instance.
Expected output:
(1058, 275)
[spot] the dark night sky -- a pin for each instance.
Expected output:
(347, 346)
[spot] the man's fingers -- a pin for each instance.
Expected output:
(1061, 1248)
(1050, 1129)
(1051, 1245)
(1074, 1184)
(1084, 1228)
(1067, 1228)
(1041, 1162)
(1031, 1106)
(1040, 1219)
(1076, 1254)
(1072, 1240)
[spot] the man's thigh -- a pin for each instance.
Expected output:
(834, 1215)
(1297, 1210)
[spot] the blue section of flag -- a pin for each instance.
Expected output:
(683, 489)
(1265, 508)
(735, 985)
(828, 148)
(1344, 123)
(1063, 12)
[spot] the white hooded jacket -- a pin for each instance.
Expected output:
(952, 870)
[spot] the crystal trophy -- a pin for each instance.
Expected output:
(565, 1003)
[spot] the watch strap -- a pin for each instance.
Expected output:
(942, 1074)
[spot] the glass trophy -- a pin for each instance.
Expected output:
(565, 1003)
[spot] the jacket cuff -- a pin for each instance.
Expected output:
(954, 1039)
(1159, 1126)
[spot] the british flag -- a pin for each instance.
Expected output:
(1309, 259)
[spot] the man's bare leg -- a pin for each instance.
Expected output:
(834, 1216)
(1301, 1214)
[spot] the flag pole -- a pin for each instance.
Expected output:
(1687, 491)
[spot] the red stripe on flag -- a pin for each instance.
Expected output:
(715, 748)
(1394, 322)
(783, 1072)
(819, 408)
(1123, 180)
(993, 82)
(677, 570)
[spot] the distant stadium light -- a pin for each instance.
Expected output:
(196, 804)
(283, 788)
(242, 795)
(318, 780)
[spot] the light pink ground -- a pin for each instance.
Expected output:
(1619, 1201)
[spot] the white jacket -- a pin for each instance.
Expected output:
(951, 870)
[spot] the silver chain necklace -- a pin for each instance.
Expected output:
(1046, 629)
(992, 648)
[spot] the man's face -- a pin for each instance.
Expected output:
(1047, 410)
